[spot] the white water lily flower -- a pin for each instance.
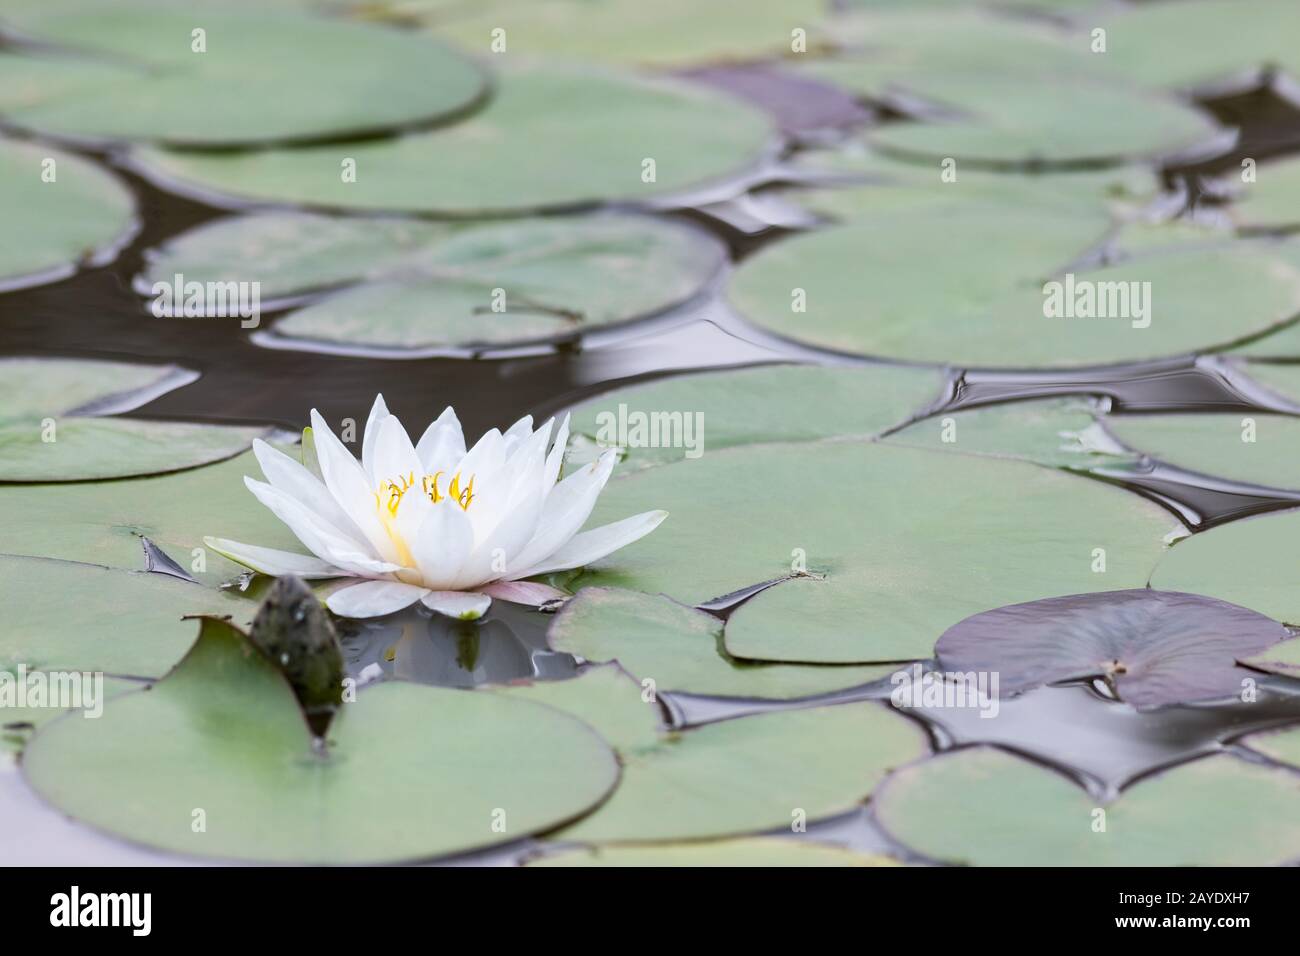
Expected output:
(433, 522)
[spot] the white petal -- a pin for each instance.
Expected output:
(463, 605)
(320, 538)
(294, 480)
(567, 509)
(442, 544)
(517, 433)
(393, 454)
(273, 561)
(443, 443)
(378, 412)
(374, 598)
(350, 486)
(555, 459)
(595, 544)
(524, 592)
(485, 458)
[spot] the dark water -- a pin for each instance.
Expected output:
(1103, 743)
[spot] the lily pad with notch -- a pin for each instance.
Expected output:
(906, 543)
(61, 211)
(656, 423)
(591, 151)
(984, 807)
(871, 288)
(49, 431)
(68, 616)
(748, 775)
(1153, 648)
(104, 522)
(224, 734)
(526, 280)
(677, 648)
(1250, 562)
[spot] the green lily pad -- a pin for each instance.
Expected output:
(520, 153)
(1053, 119)
(678, 648)
(666, 33)
(1154, 648)
(1252, 562)
(62, 615)
(715, 410)
(756, 773)
(1061, 433)
(1273, 199)
(289, 252)
(888, 183)
(1280, 745)
(51, 227)
(743, 851)
(494, 284)
(102, 522)
(1182, 45)
(1259, 449)
(889, 574)
(262, 75)
(407, 772)
(38, 443)
(606, 698)
(873, 288)
(17, 723)
(1018, 92)
(1281, 659)
(985, 807)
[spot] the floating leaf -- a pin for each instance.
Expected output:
(873, 288)
(745, 851)
(289, 252)
(209, 75)
(984, 807)
(1259, 449)
(757, 773)
(60, 212)
(103, 522)
(1250, 562)
(684, 416)
(519, 153)
(1063, 434)
(1272, 200)
(1018, 120)
(38, 443)
(1154, 648)
(1282, 659)
(677, 648)
(607, 699)
(1196, 42)
(1280, 745)
(408, 772)
(909, 543)
(666, 33)
(525, 280)
(17, 723)
(62, 615)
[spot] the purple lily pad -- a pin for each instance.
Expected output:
(1152, 647)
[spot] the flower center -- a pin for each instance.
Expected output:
(391, 492)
